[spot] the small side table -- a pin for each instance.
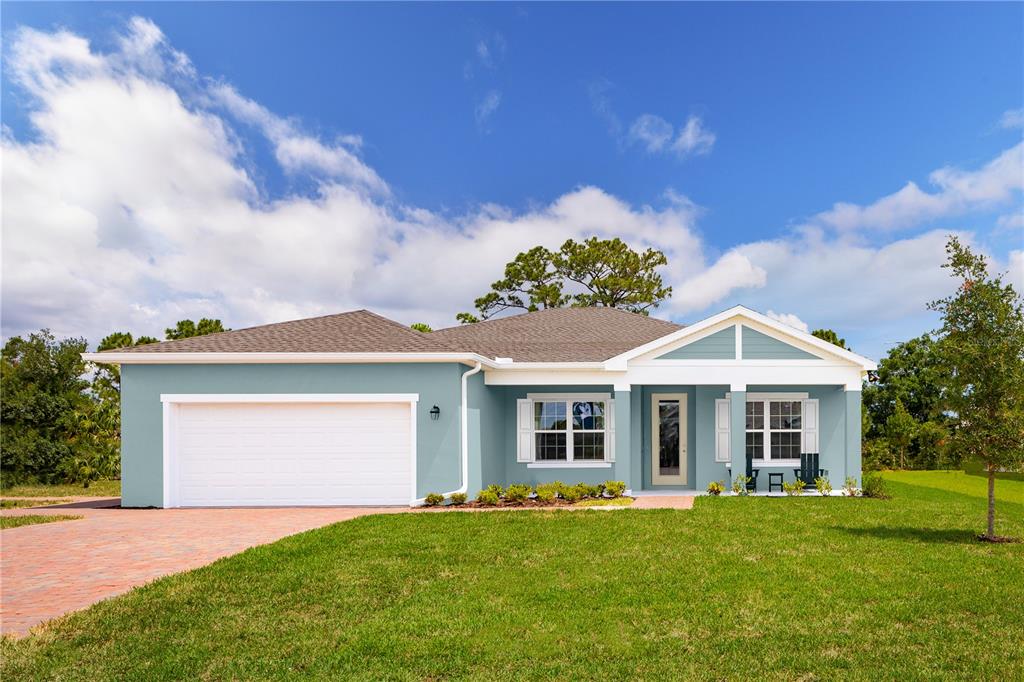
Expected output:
(774, 479)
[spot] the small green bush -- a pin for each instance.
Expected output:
(587, 490)
(823, 485)
(850, 487)
(496, 489)
(739, 485)
(487, 498)
(614, 488)
(459, 498)
(874, 486)
(716, 487)
(547, 492)
(518, 492)
(434, 499)
(794, 488)
(571, 493)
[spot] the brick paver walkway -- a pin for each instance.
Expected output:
(49, 569)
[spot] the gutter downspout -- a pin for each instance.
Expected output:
(464, 419)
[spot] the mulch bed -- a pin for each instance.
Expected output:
(998, 539)
(502, 504)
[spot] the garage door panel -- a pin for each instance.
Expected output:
(293, 453)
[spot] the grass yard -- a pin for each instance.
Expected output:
(95, 489)
(783, 588)
(33, 519)
(20, 503)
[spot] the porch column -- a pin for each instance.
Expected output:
(738, 430)
(853, 435)
(623, 439)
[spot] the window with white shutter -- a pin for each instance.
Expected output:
(524, 430)
(810, 423)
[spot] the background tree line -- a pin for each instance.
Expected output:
(60, 417)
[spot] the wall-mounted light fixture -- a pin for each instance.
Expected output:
(435, 412)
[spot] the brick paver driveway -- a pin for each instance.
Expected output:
(49, 569)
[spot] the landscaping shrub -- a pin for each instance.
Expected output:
(716, 487)
(823, 485)
(794, 488)
(547, 492)
(434, 499)
(874, 486)
(587, 490)
(850, 487)
(487, 497)
(571, 493)
(459, 498)
(496, 489)
(518, 492)
(614, 488)
(739, 485)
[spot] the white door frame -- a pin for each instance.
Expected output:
(656, 478)
(171, 401)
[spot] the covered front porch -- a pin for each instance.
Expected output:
(680, 437)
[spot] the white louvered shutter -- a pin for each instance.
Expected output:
(722, 440)
(810, 422)
(524, 430)
(609, 432)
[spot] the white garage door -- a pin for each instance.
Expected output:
(269, 454)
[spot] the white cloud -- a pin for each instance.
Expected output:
(1011, 221)
(488, 52)
(789, 319)
(732, 271)
(957, 191)
(1012, 118)
(296, 151)
(486, 108)
(653, 132)
(693, 138)
(656, 134)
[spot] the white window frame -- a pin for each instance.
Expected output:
(765, 462)
(766, 448)
(570, 449)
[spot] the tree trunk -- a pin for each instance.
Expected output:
(991, 501)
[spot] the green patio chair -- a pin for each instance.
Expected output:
(751, 473)
(809, 469)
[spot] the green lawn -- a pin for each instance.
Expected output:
(29, 502)
(95, 489)
(783, 588)
(33, 519)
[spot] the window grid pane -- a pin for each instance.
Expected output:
(755, 444)
(785, 445)
(587, 415)
(550, 447)
(588, 445)
(549, 416)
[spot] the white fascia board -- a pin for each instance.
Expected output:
(233, 398)
(550, 377)
(278, 358)
(742, 313)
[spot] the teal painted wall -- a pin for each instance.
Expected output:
(437, 442)
(853, 438)
(758, 346)
(646, 438)
(835, 405)
(718, 346)
(519, 472)
(486, 463)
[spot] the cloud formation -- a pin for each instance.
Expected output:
(657, 135)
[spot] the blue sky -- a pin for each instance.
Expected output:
(397, 134)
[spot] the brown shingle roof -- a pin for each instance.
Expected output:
(359, 331)
(554, 335)
(559, 334)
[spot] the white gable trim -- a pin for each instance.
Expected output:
(755, 320)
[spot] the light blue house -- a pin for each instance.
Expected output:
(355, 409)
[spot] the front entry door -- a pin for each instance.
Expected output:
(668, 439)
